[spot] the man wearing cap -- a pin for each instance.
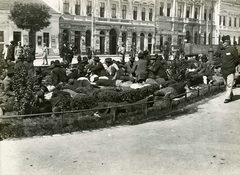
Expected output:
(58, 74)
(122, 51)
(10, 52)
(110, 68)
(140, 68)
(82, 67)
(229, 60)
(18, 50)
(129, 65)
(97, 68)
(157, 69)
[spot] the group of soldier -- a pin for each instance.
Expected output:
(141, 68)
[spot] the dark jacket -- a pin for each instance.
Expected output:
(140, 68)
(10, 53)
(158, 70)
(58, 75)
(229, 60)
(129, 66)
(98, 69)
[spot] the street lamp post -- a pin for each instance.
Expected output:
(92, 42)
(210, 51)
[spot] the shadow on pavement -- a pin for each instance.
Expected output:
(236, 97)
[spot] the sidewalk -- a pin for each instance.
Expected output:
(38, 61)
(204, 141)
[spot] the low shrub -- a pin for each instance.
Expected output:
(22, 85)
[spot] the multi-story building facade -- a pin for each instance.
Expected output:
(9, 31)
(198, 22)
(101, 25)
(179, 21)
(146, 24)
(228, 22)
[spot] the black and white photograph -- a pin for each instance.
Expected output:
(119, 87)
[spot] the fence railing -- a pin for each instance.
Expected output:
(116, 106)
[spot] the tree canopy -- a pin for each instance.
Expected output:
(30, 16)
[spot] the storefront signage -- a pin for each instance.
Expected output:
(181, 33)
(125, 28)
(65, 26)
(79, 28)
(166, 32)
(171, 33)
(103, 27)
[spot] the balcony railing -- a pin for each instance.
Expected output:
(103, 19)
(191, 20)
(177, 19)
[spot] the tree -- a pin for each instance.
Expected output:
(30, 16)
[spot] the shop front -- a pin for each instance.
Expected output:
(105, 38)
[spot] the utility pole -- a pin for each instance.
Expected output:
(210, 51)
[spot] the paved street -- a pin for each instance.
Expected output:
(39, 61)
(204, 142)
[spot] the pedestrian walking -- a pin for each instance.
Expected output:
(122, 51)
(133, 51)
(4, 53)
(63, 52)
(19, 50)
(229, 60)
(70, 52)
(45, 54)
(10, 52)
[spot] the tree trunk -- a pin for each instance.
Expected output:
(32, 39)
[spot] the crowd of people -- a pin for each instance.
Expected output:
(62, 80)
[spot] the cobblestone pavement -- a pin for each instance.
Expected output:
(203, 142)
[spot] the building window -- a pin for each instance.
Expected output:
(220, 20)
(239, 23)
(196, 13)
(235, 22)
(124, 11)
(224, 21)
(124, 38)
(46, 38)
(114, 11)
(135, 13)
(205, 14)
(230, 21)
(179, 11)
(150, 14)
(168, 9)
(150, 42)
(161, 9)
(1, 36)
(102, 9)
(188, 12)
(142, 36)
(66, 6)
(89, 8)
(77, 7)
(210, 15)
(196, 38)
(143, 14)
